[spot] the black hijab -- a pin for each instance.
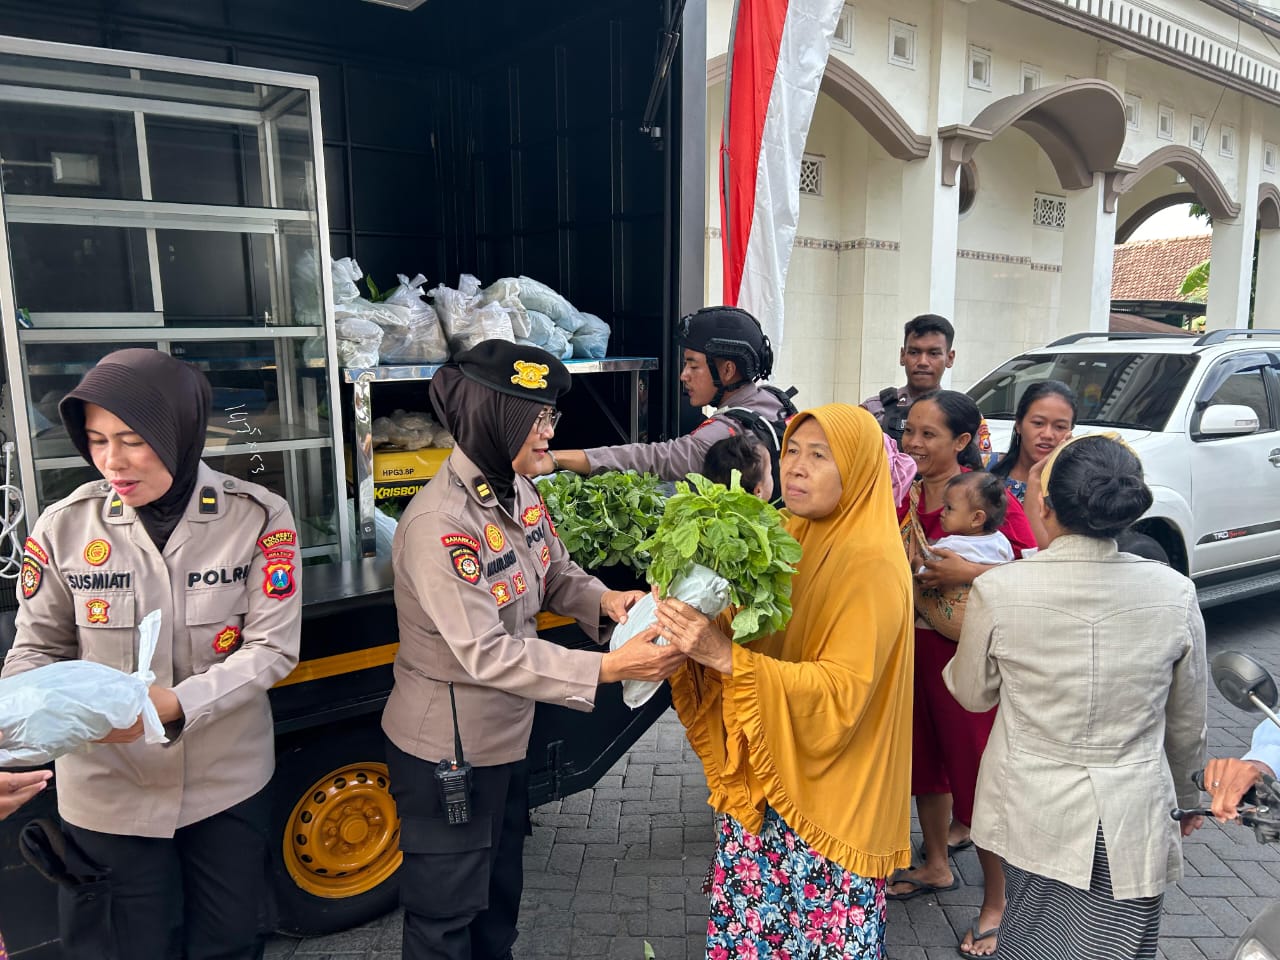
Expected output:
(166, 402)
(489, 427)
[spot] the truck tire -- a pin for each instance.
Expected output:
(335, 833)
(1142, 545)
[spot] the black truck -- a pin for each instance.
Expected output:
(561, 140)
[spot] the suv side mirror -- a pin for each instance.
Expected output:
(1228, 420)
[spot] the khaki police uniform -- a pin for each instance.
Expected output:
(178, 831)
(228, 590)
(470, 578)
(676, 459)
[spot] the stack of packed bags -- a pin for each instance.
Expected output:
(406, 430)
(403, 328)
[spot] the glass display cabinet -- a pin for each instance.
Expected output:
(144, 204)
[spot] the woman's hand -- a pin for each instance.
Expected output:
(17, 788)
(1190, 825)
(696, 635)
(615, 603)
(1227, 780)
(167, 706)
(949, 569)
(641, 659)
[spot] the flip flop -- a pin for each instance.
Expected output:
(919, 888)
(983, 935)
(952, 848)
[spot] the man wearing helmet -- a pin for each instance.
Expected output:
(725, 353)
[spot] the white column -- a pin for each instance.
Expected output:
(1231, 263)
(1088, 246)
(1266, 301)
(930, 213)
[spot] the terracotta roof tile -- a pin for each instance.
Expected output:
(1155, 269)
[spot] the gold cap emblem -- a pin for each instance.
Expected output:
(531, 376)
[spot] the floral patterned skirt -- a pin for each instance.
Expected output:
(773, 896)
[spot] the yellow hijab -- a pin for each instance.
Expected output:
(816, 721)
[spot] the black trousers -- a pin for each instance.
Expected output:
(202, 895)
(460, 885)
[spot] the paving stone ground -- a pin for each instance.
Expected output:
(610, 868)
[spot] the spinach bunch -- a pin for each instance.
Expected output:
(737, 535)
(602, 520)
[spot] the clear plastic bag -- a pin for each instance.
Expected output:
(700, 587)
(62, 707)
(592, 338)
(506, 293)
(358, 342)
(422, 339)
(411, 431)
(558, 344)
(488, 322)
(345, 273)
(538, 296)
(541, 329)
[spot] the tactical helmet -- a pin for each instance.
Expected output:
(728, 333)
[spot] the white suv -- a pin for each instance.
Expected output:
(1204, 415)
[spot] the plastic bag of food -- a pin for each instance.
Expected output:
(358, 341)
(701, 587)
(380, 430)
(422, 339)
(61, 707)
(540, 297)
(558, 344)
(345, 273)
(506, 293)
(306, 292)
(411, 431)
(454, 308)
(541, 329)
(488, 322)
(592, 338)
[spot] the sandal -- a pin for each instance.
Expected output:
(978, 935)
(919, 888)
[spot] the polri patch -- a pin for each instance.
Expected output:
(501, 593)
(96, 552)
(517, 581)
(115, 509)
(494, 538)
(465, 563)
(99, 610)
(531, 516)
(545, 556)
(37, 551)
(208, 500)
(30, 577)
(277, 579)
(278, 544)
(461, 540)
(228, 639)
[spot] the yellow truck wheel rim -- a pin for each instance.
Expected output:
(343, 837)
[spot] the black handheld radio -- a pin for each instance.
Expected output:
(453, 777)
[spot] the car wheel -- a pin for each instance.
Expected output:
(1139, 544)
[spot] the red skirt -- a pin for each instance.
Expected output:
(946, 739)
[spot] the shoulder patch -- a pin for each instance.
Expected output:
(461, 540)
(278, 581)
(705, 423)
(30, 578)
(278, 542)
(209, 500)
(465, 563)
(35, 550)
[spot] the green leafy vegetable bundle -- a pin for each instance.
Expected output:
(737, 535)
(602, 520)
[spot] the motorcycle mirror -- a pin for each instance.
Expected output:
(1239, 678)
(1261, 938)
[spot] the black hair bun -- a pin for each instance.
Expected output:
(1112, 503)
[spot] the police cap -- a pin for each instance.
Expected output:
(731, 334)
(515, 369)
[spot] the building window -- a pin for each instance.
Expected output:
(1199, 131)
(979, 68)
(1269, 151)
(1164, 123)
(902, 43)
(968, 186)
(1032, 78)
(842, 39)
(1049, 211)
(811, 175)
(1227, 141)
(1133, 111)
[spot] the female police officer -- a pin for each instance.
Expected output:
(179, 829)
(475, 558)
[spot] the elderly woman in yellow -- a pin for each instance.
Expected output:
(805, 735)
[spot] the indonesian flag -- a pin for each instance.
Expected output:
(777, 55)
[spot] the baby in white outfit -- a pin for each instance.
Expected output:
(973, 508)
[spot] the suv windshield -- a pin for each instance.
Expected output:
(1135, 390)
